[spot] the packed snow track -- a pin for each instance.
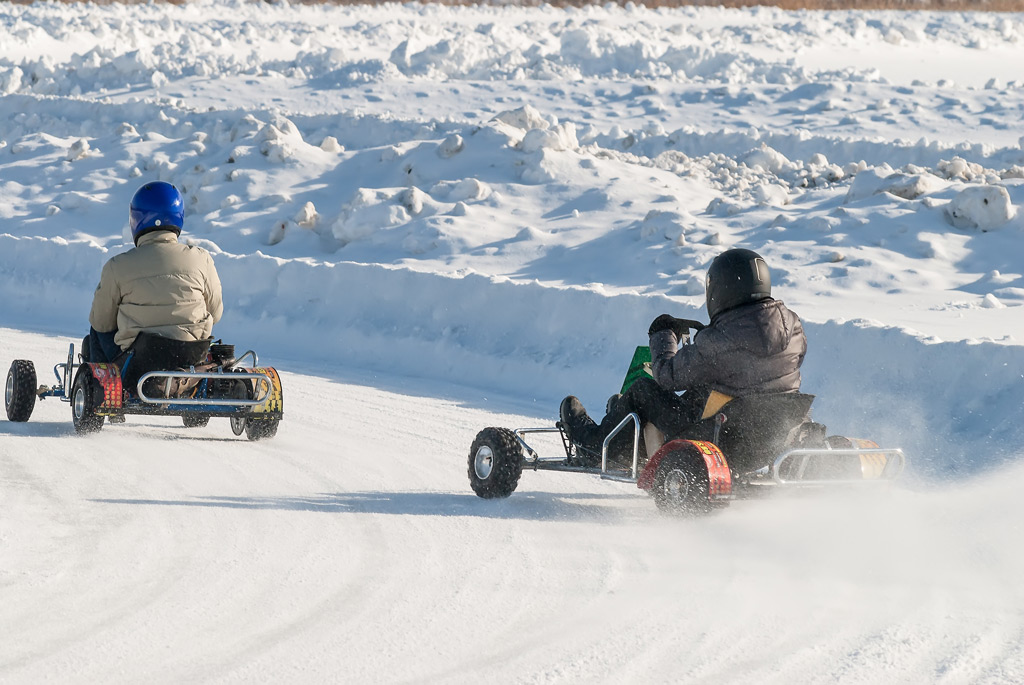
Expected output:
(350, 548)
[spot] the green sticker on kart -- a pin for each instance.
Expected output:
(639, 368)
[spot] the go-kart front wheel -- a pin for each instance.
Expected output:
(495, 463)
(84, 392)
(20, 393)
(681, 484)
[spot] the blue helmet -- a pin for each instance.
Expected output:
(156, 206)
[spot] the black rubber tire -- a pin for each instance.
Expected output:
(681, 484)
(194, 420)
(20, 395)
(261, 429)
(84, 393)
(495, 463)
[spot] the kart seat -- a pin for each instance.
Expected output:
(152, 352)
(758, 428)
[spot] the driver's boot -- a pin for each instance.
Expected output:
(581, 431)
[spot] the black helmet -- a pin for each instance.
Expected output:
(736, 277)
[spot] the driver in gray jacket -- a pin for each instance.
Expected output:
(754, 345)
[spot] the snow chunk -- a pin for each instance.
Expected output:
(770, 195)
(667, 225)
(279, 144)
(469, 189)
(78, 150)
(767, 159)
(818, 160)
(370, 211)
(10, 81)
(911, 187)
(307, 217)
(990, 301)
(330, 144)
(525, 118)
(412, 199)
(960, 168)
(981, 207)
(723, 207)
(561, 137)
(246, 127)
(883, 180)
(277, 232)
(1016, 171)
(126, 130)
(450, 146)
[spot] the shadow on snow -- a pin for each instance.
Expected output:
(528, 506)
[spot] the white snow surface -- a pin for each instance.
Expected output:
(435, 219)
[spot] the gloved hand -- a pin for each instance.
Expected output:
(667, 322)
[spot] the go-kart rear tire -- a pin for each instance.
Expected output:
(681, 484)
(495, 463)
(84, 392)
(261, 429)
(194, 420)
(20, 394)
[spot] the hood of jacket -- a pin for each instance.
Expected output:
(764, 328)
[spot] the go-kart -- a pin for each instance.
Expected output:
(195, 380)
(743, 447)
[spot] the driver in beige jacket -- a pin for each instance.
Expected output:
(160, 286)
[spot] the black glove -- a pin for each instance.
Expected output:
(667, 322)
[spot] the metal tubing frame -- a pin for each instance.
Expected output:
(808, 453)
(247, 353)
(533, 459)
(263, 378)
(537, 462)
(63, 382)
(632, 416)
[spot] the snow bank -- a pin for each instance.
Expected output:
(538, 342)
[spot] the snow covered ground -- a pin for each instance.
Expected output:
(435, 219)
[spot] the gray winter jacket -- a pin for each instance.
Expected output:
(753, 349)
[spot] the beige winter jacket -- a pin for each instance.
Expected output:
(162, 287)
